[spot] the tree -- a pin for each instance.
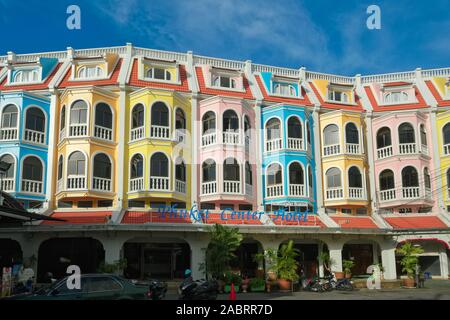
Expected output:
(410, 258)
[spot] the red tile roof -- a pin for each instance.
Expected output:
(140, 217)
(421, 222)
(38, 86)
(376, 107)
(355, 222)
(441, 102)
(135, 81)
(66, 82)
(297, 101)
(219, 92)
(311, 221)
(337, 106)
(80, 217)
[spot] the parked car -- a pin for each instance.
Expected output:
(93, 287)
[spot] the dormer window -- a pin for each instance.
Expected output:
(396, 97)
(224, 82)
(89, 72)
(158, 74)
(338, 96)
(24, 76)
(284, 89)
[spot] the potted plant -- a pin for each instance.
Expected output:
(231, 277)
(347, 266)
(409, 262)
(257, 285)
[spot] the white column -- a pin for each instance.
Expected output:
(121, 167)
(388, 260)
(444, 264)
(335, 250)
(437, 161)
(198, 251)
(258, 140)
(113, 249)
(195, 147)
(321, 269)
(371, 161)
(318, 160)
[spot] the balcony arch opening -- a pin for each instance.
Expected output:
(296, 180)
(423, 135)
(209, 184)
(8, 177)
(209, 122)
(295, 133)
(334, 184)
(76, 171)
(274, 176)
(60, 167)
(35, 125)
(231, 176)
(160, 121)
(32, 176)
(137, 116)
(273, 135)
(406, 133)
(103, 121)
(351, 133)
(446, 138)
(10, 116)
(62, 121)
(230, 127)
(355, 183)
(384, 138)
(137, 173)
(180, 175)
(102, 172)
(331, 134)
(180, 119)
(410, 182)
(78, 118)
(159, 172)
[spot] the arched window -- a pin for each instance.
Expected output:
(384, 138)
(248, 174)
(354, 178)
(446, 133)
(247, 126)
(26, 76)
(159, 165)
(60, 167)
(209, 171)
(331, 135)
(351, 133)
(90, 72)
(427, 178)
(77, 164)
(78, 112)
(448, 178)
(310, 177)
(137, 166)
(410, 178)
(423, 135)
(32, 169)
(9, 174)
(274, 174)
(231, 170)
(180, 119)
(158, 73)
(137, 116)
(35, 119)
(308, 133)
(273, 129)
(295, 128)
(296, 175)
(230, 121)
(333, 178)
(180, 170)
(9, 116)
(387, 180)
(103, 116)
(160, 114)
(62, 123)
(396, 97)
(209, 122)
(406, 133)
(102, 166)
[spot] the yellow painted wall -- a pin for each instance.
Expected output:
(441, 85)
(442, 119)
(322, 87)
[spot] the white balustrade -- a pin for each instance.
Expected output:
(78, 130)
(34, 136)
(297, 190)
(209, 139)
(356, 193)
(180, 186)
(137, 133)
(209, 188)
(136, 184)
(8, 134)
(231, 137)
(407, 148)
(159, 184)
(352, 148)
(101, 184)
(159, 132)
(295, 144)
(274, 191)
(233, 187)
(76, 182)
(32, 186)
(274, 145)
(7, 184)
(331, 150)
(447, 149)
(387, 195)
(103, 133)
(410, 192)
(384, 152)
(334, 193)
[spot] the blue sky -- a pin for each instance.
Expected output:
(325, 36)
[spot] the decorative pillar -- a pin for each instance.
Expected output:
(388, 260)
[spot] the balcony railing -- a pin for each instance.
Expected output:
(388, 195)
(32, 186)
(297, 190)
(447, 149)
(335, 193)
(209, 187)
(233, 187)
(352, 148)
(159, 184)
(407, 148)
(356, 193)
(34, 136)
(8, 134)
(101, 184)
(231, 137)
(295, 144)
(180, 186)
(274, 145)
(7, 184)
(331, 150)
(103, 133)
(209, 139)
(410, 192)
(384, 152)
(76, 182)
(78, 130)
(136, 184)
(274, 191)
(159, 132)
(137, 133)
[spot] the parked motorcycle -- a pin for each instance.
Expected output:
(312, 285)
(198, 290)
(157, 289)
(332, 283)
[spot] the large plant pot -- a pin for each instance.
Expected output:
(271, 276)
(285, 285)
(339, 275)
(409, 283)
(348, 276)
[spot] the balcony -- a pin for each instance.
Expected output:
(232, 187)
(352, 148)
(331, 150)
(384, 152)
(159, 184)
(8, 134)
(137, 133)
(180, 186)
(103, 133)
(33, 136)
(356, 193)
(209, 139)
(159, 132)
(295, 144)
(7, 184)
(274, 145)
(209, 188)
(78, 130)
(76, 183)
(31, 186)
(231, 137)
(136, 184)
(410, 192)
(334, 193)
(388, 195)
(297, 190)
(407, 148)
(101, 184)
(274, 191)
(447, 149)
